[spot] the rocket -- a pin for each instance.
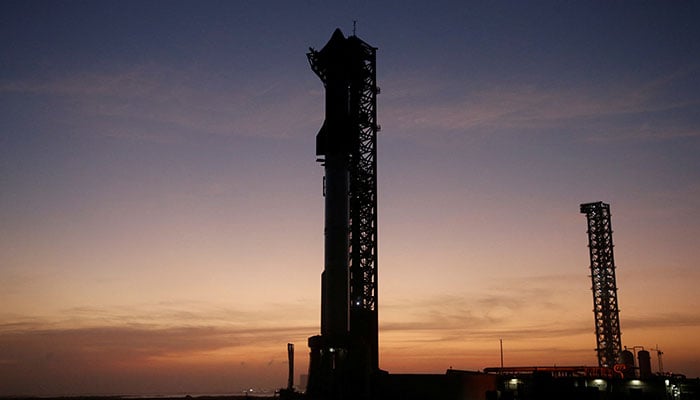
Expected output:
(340, 360)
(333, 145)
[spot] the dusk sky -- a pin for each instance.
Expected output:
(161, 210)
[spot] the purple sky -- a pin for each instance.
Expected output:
(161, 209)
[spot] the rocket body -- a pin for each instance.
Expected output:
(334, 305)
(333, 144)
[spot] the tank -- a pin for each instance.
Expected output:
(644, 364)
(627, 359)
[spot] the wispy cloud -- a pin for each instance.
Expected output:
(165, 315)
(140, 342)
(161, 335)
(524, 309)
(157, 103)
(483, 316)
(668, 320)
(139, 357)
(436, 107)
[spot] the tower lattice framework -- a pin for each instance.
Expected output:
(363, 201)
(605, 306)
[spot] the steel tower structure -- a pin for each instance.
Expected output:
(345, 356)
(605, 307)
(363, 200)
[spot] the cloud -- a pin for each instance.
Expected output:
(143, 332)
(144, 353)
(124, 343)
(192, 333)
(526, 309)
(139, 342)
(141, 359)
(156, 103)
(173, 346)
(439, 107)
(165, 314)
(668, 320)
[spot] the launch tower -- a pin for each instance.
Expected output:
(605, 308)
(344, 357)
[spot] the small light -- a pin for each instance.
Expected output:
(667, 382)
(636, 382)
(598, 381)
(332, 350)
(513, 382)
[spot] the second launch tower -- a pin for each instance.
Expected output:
(605, 307)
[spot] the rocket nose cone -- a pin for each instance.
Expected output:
(337, 34)
(336, 42)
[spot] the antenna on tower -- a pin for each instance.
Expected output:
(354, 27)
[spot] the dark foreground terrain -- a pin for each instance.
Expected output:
(184, 397)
